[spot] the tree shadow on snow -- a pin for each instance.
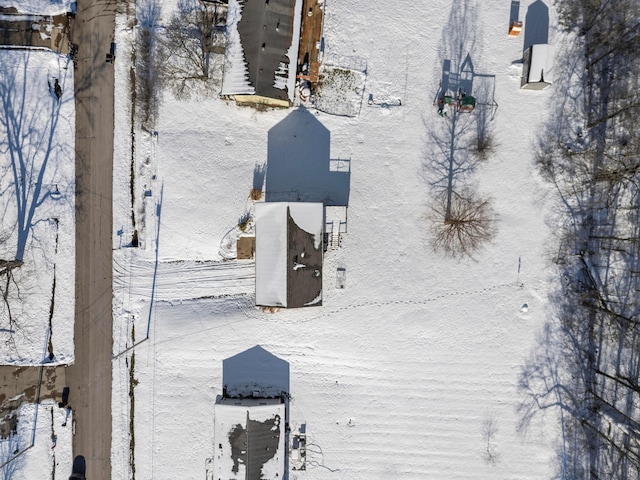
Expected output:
(452, 149)
(29, 116)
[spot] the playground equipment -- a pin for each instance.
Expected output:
(461, 103)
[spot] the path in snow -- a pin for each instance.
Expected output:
(183, 280)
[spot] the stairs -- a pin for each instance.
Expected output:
(334, 236)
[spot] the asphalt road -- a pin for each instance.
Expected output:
(90, 377)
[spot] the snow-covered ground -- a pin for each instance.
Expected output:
(410, 371)
(39, 7)
(40, 146)
(41, 446)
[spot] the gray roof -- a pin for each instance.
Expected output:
(254, 444)
(266, 33)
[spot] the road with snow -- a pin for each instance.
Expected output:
(90, 377)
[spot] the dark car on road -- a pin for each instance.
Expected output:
(79, 469)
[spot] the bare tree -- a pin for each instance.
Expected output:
(590, 370)
(147, 79)
(460, 221)
(489, 432)
(187, 47)
(461, 224)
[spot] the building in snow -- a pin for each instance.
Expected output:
(249, 439)
(250, 425)
(289, 254)
(537, 62)
(262, 51)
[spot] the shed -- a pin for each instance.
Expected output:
(245, 248)
(537, 62)
(289, 254)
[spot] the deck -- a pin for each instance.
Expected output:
(310, 37)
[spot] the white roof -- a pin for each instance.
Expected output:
(540, 63)
(236, 74)
(271, 245)
(230, 418)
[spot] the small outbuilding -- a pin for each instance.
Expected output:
(289, 254)
(537, 62)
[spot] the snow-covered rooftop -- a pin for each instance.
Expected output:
(249, 441)
(289, 254)
(262, 48)
(537, 67)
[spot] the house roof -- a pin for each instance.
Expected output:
(249, 441)
(538, 61)
(268, 32)
(289, 254)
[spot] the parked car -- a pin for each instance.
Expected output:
(79, 469)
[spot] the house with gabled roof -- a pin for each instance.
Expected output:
(262, 51)
(251, 417)
(289, 254)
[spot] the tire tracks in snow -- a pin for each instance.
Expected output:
(183, 280)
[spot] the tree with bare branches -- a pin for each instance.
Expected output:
(187, 53)
(461, 224)
(588, 365)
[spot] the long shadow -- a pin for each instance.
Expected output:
(30, 139)
(259, 172)
(514, 12)
(536, 25)
(461, 221)
(156, 263)
(299, 165)
(448, 160)
(255, 373)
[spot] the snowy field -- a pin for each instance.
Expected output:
(410, 371)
